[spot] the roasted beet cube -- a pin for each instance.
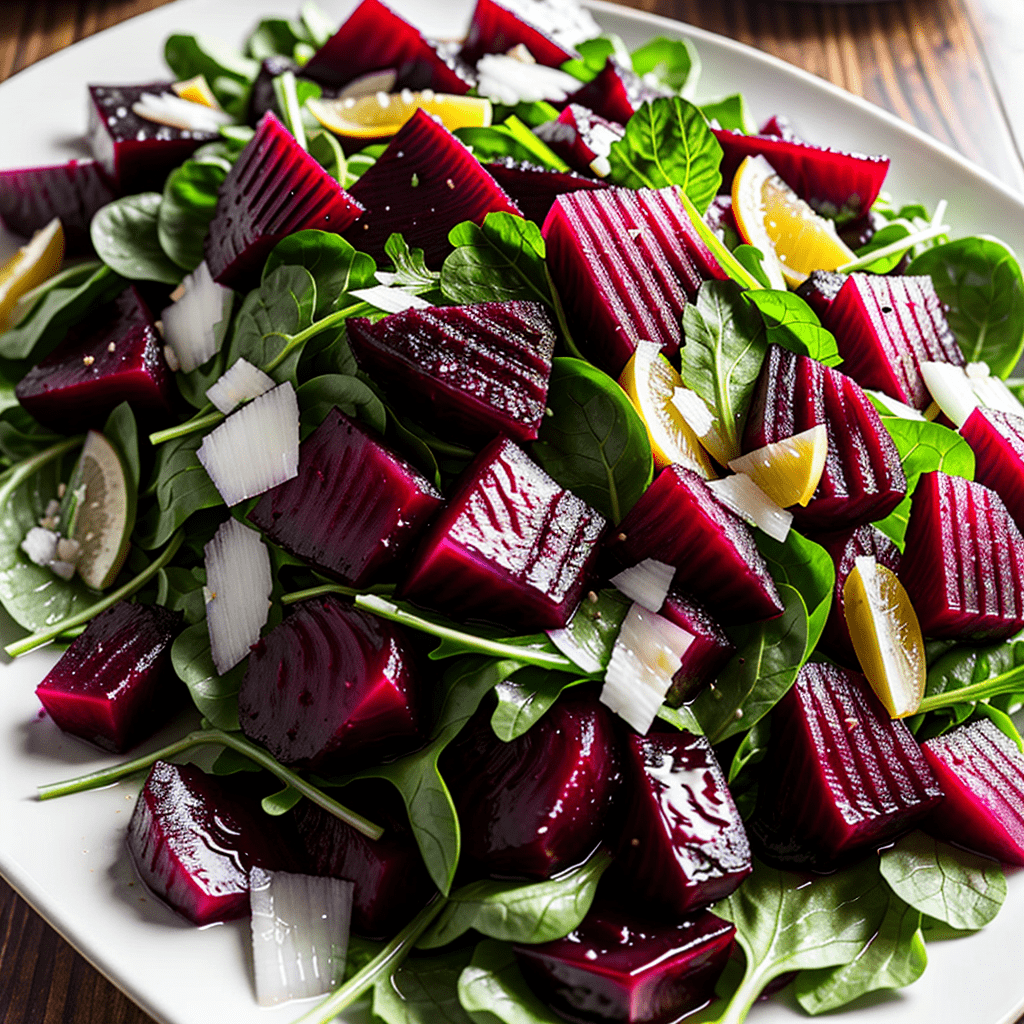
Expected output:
(534, 189)
(997, 440)
(479, 370)
(618, 967)
(579, 137)
(820, 289)
(616, 92)
(331, 687)
(355, 507)
(511, 545)
(497, 28)
(840, 774)
(708, 652)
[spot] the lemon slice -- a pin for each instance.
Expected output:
(886, 635)
(197, 90)
(29, 267)
(650, 381)
(788, 471)
(381, 115)
(772, 217)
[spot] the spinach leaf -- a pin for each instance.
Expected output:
(513, 139)
(228, 72)
(321, 394)
(681, 718)
(731, 113)
(21, 436)
(524, 698)
(120, 430)
(751, 258)
(423, 991)
(215, 696)
(410, 273)
(589, 637)
(791, 323)
(752, 748)
(182, 590)
(192, 386)
(594, 443)
(672, 62)
(125, 236)
(273, 36)
(965, 665)
(325, 149)
(492, 989)
(187, 208)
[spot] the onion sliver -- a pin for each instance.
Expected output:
(391, 300)
(195, 325)
(507, 80)
(646, 583)
(241, 383)
(173, 111)
(740, 494)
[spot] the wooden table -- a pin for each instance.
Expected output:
(954, 68)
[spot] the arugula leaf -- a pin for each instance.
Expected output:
(187, 208)
(791, 323)
(731, 113)
(492, 989)
(215, 696)
(423, 991)
(126, 237)
(120, 430)
(672, 62)
(317, 397)
(524, 698)
(589, 637)
(411, 273)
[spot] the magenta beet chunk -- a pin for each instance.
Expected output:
(330, 688)
(683, 844)
(679, 521)
(355, 507)
(261, 95)
(114, 356)
(616, 92)
(579, 136)
(424, 183)
(720, 218)
(779, 126)
(114, 685)
(479, 370)
(625, 262)
(274, 189)
(497, 29)
(863, 480)
(820, 289)
(534, 189)
(511, 546)
(618, 967)
(708, 652)
(539, 804)
(963, 561)
(982, 774)
(997, 440)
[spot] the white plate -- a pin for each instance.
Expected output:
(67, 857)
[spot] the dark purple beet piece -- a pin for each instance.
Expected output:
(114, 356)
(840, 774)
(708, 652)
(261, 95)
(497, 29)
(274, 189)
(424, 183)
(982, 773)
(479, 370)
(579, 137)
(330, 688)
(820, 289)
(863, 480)
(511, 545)
(616, 92)
(997, 440)
(534, 189)
(355, 507)
(618, 967)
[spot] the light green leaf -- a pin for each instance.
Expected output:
(492, 989)
(126, 236)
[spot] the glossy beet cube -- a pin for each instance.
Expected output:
(616, 92)
(497, 28)
(579, 137)
(330, 688)
(479, 370)
(534, 189)
(863, 480)
(997, 440)
(840, 774)
(963, 561)
(820, 289)
(355, 507)
(981, 771)
(511, 545)
(114, 356)
(618, 967)
(708, 652)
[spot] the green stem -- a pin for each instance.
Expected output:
(332, 320)
(288, 98)
(386, 589)
(1008, 682)
(200, 421)
(20, 471)
(743, 999)
(901, 245)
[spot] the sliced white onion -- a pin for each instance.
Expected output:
(391, 300)
(300, 931)
(701, 420)
(238, 585)
(510, 81)
(564, 640)
(255, 448)
(173, 111)
(241, 383)
(952, 390)
(739, 493)
(195, 325)
(647, 583)
(894, 407)
(368, 85)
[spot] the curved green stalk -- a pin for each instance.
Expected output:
(295, 596)
(1011, 681)
(200, 421)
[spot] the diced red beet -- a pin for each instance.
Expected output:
(708, 652)
(579, 136)
(540, 804)
(820, 289)
(534, 189)
(981, 771)
(261, 95)
(114, 685)
(511, 546)
(355, 507)
(720, 218)
(331, 687)
(859, 232)
(863, 480)
(479, 370)
(497, 29)
(274, 189)
(840, 774)
(679, 521)
(616, 93)
(618, 967)
(997, 440)
(683, 842)
(422, 185)
(779, 126)
(963, 561)
(625, 262)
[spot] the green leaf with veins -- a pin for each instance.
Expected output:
(188, 205)
(423, 990)
(126, 236)
(525, 697)
(492, 989)
(215, 696)
(791, 323)
(317, 397)
(681, 718)
(410, 272)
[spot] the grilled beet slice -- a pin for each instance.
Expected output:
(112, 357)
(618, 967)
(274, 189)
(885, 327)
(479, 370)
(114, 685)
(511, 545)
(193, 839)
(616, 92)
(424, 183)
(539, 804)
(375, 38)
(840, 774)
(534, 189)
(683, 844)
(820, 289)
(963, 561)
(982, 773)
(579, 137)
(708, 652)
(329, 688)
(497, 29)
(997, 440)
(625, 262)
(355, 507)
(679, 521)
(863, 479)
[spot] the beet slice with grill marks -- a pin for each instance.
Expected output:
(274, 189)
(616, 93)
(863, 480)
(496, 28)
(708, 652)
(480, 370)
(512, 545)
(997, 440)
(840, 774)
(580, 137)
(534, 189)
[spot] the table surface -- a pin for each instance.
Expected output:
(954, 68)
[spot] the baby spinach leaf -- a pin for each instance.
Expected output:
(965, 665)
(410, 272)
(215, 696)
(192, 386)
(589, 637)
(524, 698)
(424, 990)
(126, 237)
(492, 989)
(21, 436)
(188, 205)
(673, 62)
(228, 72)
(317, 397)
(325, 149)
(281, 802)
(752, 748)
(791, 323)
(731, 113)
(182, 590)
(274, 36)
(120, 430)
(681, 718)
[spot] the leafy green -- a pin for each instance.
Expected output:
(182, 590)
(672, 62)
(410, 273)
(326, 150)
(968, 664)
(187, 208)
(126, 236)
(120, 430)
(589, 637)
(321, 394)
(524, 698)
(493, 990)
(791, 323)
(227, 71)
(751, 258)
(21, 436)
(273, 36)
(423, 991)
(335, 266)
(215, 696)
(513, 139)
(731, 113)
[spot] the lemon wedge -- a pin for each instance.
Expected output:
(197, 90)
(29, 267)
(381, 115)
(788, 471)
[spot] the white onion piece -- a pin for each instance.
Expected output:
(391, 300)
(300, 930)
(992, 392)
(740, 494)
(369, 85)
(579, 656)
(510, 81)
(701, 420)
(255, 448)
(238, 585)
(173, 111)
(893, 407)
(195, 325)
(951, 389)
(241, 383)
(647, 583)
